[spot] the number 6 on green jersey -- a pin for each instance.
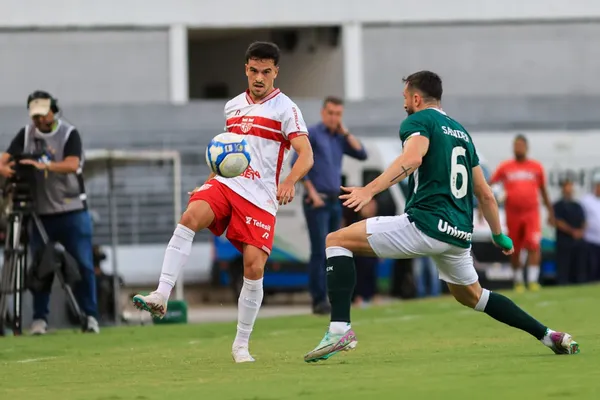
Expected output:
(457, 170)
(440, 199)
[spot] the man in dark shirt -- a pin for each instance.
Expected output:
(330, 140)
(570, 247)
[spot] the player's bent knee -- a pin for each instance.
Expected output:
(468, 296)
(254, 263)
(254, 270)
(198, 216)
(335, 239)
(467, 301)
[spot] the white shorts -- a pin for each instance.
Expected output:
(397, 237)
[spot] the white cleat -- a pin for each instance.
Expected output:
(39, 327)
(241, 354)
(92, 325)
(155, 303)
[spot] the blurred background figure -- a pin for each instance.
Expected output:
(524, 179)
(571, 263)
(59, 197)
(366, 267)
(330, 140)
(591, 207)
(427, 281)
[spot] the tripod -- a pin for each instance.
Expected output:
(14, 270)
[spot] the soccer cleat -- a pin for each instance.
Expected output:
(534, 287)
(519, 288)
(332, 344)
(92, 325)
(39, 327)
(155, 303)
(241, 354)
(563, 343)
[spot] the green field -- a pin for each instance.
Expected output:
(431, 349)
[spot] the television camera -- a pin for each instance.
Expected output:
(16, 276)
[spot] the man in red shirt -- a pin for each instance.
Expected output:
(523, 180)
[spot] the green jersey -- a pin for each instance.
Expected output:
(440, 200)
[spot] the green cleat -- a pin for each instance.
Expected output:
(332, 344)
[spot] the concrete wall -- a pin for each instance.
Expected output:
(85, 66)
(270, 13)
(491, 60)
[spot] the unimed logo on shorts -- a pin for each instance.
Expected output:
(257, 223)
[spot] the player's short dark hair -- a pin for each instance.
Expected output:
(333, 100)
(263, 51)
(521, 137)
(427, 82)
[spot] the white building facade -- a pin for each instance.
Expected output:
(132, 51)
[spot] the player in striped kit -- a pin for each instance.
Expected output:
(245, 205)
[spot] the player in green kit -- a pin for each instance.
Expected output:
(441, 164)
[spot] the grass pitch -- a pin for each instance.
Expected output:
(431, 349)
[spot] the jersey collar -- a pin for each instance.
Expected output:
(438, 110)
(269, 97)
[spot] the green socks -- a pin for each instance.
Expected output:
(341, 279)
(504, 310)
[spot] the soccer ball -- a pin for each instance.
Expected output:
(227, 155)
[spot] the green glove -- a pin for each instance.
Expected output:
(503, 241)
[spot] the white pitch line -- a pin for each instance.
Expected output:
(30, 360)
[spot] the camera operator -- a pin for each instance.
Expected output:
(59, 198)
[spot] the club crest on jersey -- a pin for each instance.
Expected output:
(246, 124)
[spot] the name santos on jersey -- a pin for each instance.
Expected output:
(456, 133)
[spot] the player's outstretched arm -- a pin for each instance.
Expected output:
(286, 190)
(305, 160)
(410, 159)
(487, 201)
(415, 149)
(489, 208)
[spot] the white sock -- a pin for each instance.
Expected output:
(339, 328)
(176, 255)
(533, 273)
(546, 339)
(518, 277)
(249, 303)
(483, 300)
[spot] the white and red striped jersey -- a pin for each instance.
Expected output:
(268, 127)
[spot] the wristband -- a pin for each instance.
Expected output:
(503, 241)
